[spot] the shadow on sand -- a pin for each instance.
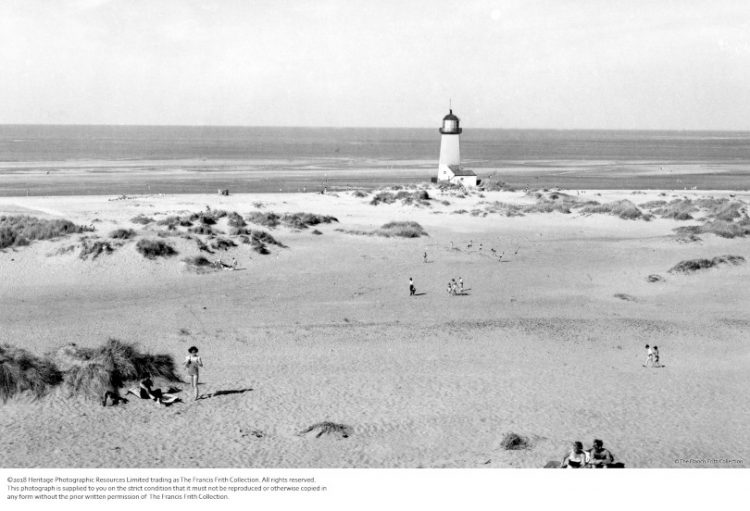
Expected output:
(225, 393)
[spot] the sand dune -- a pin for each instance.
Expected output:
(324, 329)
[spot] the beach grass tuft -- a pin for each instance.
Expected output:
(122, 234)
(328, 428)
(514, 442)
(142, 219)
(89, 372)
(21, 372)
(693, 265)
(151, 249)
(21, 230)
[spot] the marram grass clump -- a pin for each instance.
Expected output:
(23, 372)
(21, 230)
(89, 372)
(151, 249)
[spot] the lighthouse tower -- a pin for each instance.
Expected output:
(449, 165)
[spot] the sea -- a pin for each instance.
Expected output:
(393, 154)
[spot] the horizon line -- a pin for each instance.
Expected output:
(128, 125)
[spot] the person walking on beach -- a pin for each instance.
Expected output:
(192, 363)
(412, 289)
(656, 356)
(649, 357)
(425, 256)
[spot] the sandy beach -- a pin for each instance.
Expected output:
(546, 342)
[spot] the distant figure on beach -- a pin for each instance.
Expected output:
(234, 263)
(649, 357)
(412, 289)
(425, 256)
(192, 363)
(461, 285)
(656, 356)
(450, 287)
(576, 458)
(599, 457)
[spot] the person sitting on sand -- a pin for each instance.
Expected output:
(113, 394)
(576, 458)
(145, 390)
(192, 363)
(649, 357)
(599, 456)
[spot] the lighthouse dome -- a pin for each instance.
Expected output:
(451, 117)
(450, 124)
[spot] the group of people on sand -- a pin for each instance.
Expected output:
(595, 457)
(146, 390)
(652, 357)
(456, 287)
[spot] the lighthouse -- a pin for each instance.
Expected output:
(449, 164)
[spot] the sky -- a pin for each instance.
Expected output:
(547, 64)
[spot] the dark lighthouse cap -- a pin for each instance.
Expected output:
(450, 124)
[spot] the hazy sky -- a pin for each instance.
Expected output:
(632, 64)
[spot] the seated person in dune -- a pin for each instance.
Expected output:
(145, 390)
(113, 394)
(599, 456)
(576, 458)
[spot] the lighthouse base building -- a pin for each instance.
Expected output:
(449, 164)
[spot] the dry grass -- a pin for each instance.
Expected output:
(419, 197)
(392, 230)
(623, 209)
(514, 442)
(234, 219)
(328, 428)
(291, 220)
(89, 372)
(494, 184)
(94, 248)
(203, 229)
(122, 234)
(722, 228)
(142, 219)
(222, 244)
(151, 249)
(407, 229)
(200, 264)
(626, 297)
(21, 230)
(693, 265)
(21, 372)
(678, 209)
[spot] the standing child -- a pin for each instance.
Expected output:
(412, 289)
(192, 363)
(649, 357)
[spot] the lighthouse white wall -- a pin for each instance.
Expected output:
(450, 154)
